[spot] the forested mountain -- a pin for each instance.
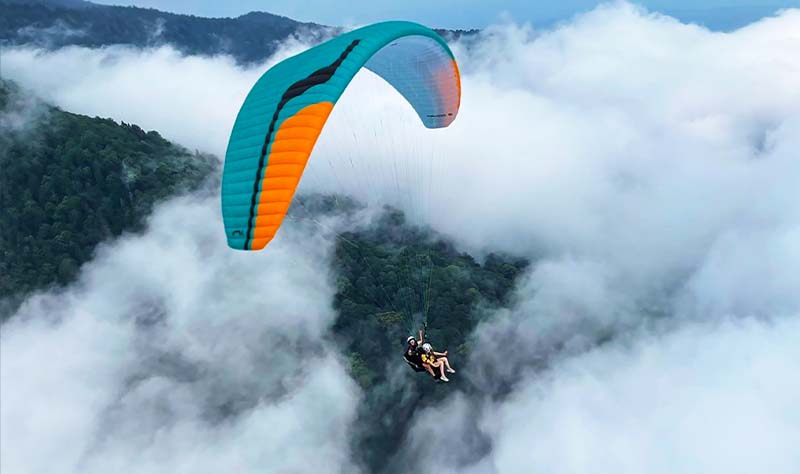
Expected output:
(392, 278)
(56, 23)
(68, 182)
(250, 37)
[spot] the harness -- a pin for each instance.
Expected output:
(414, 366)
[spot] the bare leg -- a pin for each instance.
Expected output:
(447, 364)
(441, 370)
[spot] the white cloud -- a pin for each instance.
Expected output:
(189, 99)
(176, 353)
(706, 398)
(669, 188)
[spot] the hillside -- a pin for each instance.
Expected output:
(393, 277)
(69, 182)
(384, 285)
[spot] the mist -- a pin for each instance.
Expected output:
(647, 168)
(170, 353)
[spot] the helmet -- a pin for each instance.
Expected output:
(427, 347)
(409, 339)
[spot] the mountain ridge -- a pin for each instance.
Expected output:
(249, 38)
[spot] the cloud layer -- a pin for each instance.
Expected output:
(174, 353)
(706, 398)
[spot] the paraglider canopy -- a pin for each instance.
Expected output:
(285, 111)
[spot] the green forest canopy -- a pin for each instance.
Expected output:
(69, 182)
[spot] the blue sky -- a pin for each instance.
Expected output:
(717, 14)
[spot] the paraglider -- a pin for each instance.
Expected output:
(421, 357)
(284, 113)
(412, 354)
(279, 122)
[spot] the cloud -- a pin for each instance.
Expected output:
(47, 37)
(648, 168)
(716, 397)
(189, 99)
(175, 353)
(657, 182)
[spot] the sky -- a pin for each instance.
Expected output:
(718, 14)
(647, 167)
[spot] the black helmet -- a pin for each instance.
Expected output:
(410, 338)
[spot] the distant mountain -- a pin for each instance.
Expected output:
(55, 3)
(69, 182)
(727, 18)
(252, 37)
(56, 23)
